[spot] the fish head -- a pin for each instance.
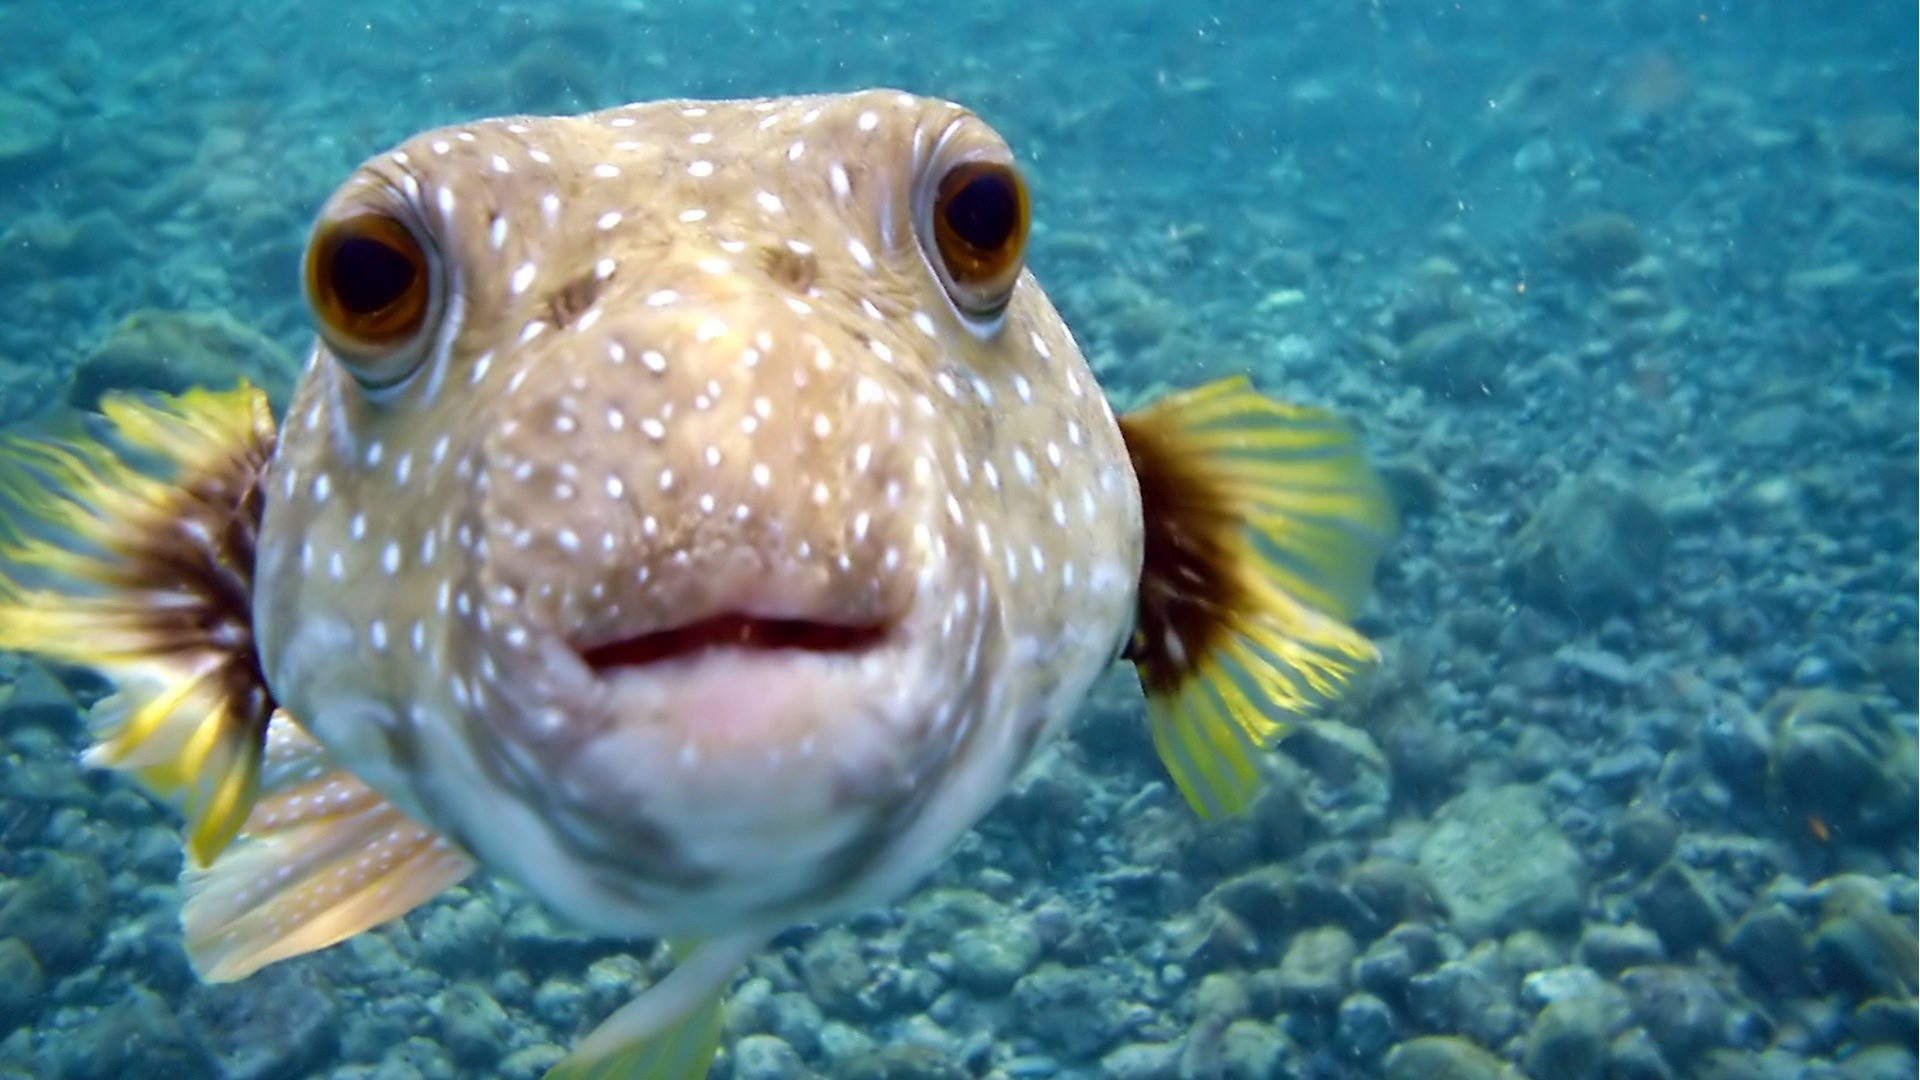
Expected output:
(675, 510)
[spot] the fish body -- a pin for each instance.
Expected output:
(698, 366)
(695, 512)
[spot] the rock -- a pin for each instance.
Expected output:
(1221, 996)
(276, 1024)
(1548, 985)
(1497, 862)
(1681, 1009)
(989, 959)
(531, 1062)
(22, 986)
(1569, 1039)
(933, 918)
(1769, 944)
(1879, 1063)
(1634, 1057)
(1881, 141)
(473, 1027)
(1460, 997)
(59, 910)
(1392, 891)
(1313, 973)
(1676, 903)
(904, 1061)
(1215, 938)
(1894, 1020)
(1644, 834)
(1079, 1011)
(1611, 949)
(463, 938)
(1841, 761)
(1363, 1027)
(1444, 1057)
(29, 132)
(1252, 1050)
(1594, 543)
(836, 972)
(170, 351)
(1597, 245)
(1141, 1061)
(134, 1035)
(765, 1057)
(1460, 359)
(1860, 945)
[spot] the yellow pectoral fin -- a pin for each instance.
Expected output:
(132, 554)
(321, 858)
(1263, 526)
(669, 1032)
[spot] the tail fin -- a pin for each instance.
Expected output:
(146, 576)
(1263, 525)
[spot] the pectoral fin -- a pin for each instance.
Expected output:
(669, 1032)
(321, 858)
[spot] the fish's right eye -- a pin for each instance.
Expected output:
(368, 282)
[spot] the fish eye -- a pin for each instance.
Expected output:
(979, 227)
(368, 282)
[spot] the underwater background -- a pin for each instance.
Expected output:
(1622, 297)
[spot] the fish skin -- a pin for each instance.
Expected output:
(696, 359)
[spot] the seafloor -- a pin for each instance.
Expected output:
(1623, 297)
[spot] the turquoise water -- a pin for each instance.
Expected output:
(1622, 299)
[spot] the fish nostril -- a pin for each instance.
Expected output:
(788, 268)
(571, 300)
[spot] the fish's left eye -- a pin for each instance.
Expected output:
(368, 282)
(979, 230)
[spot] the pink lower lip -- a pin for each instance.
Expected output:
(736, 631)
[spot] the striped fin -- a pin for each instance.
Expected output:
(1264, 524)
(146, 576)
(321, 858)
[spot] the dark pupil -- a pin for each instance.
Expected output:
(982, 212)
(368, 275)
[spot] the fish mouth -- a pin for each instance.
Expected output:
(731, 630)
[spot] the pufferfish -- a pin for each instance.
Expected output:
(694, 512)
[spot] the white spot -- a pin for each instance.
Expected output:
(390, 558)
(768, 201)
(861, 256)
(700, 169)
(497, 233)
(607, 220)
(837, 178)
(522, 278)
(868, 121)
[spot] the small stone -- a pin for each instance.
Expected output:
(1612, 949)
(1879, 1063)
(1839, 759)
(1253, 1050)
(1313, 973)
(531, 1062)
(1544, 987)
(29, 131)
(1460, 359)
(1444, 1057)
(1460, 998)
(1079, 1011)
(1363, 1027)
(1684, 1012)
(989, 959)
(1595, 543)
(172, 351)
(1141, 1061)
(275, 1024)
(836, 972)
(1644, 835)
(1569, 1038)
(1597, 245)
(1769, 944)
(22, 986)
(1497, 862)
(765, 1057)
(1633, 1056)
(58, 909)
(1676, 903)
(473, 1026)
(1893, 1020)
(1859, 944)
